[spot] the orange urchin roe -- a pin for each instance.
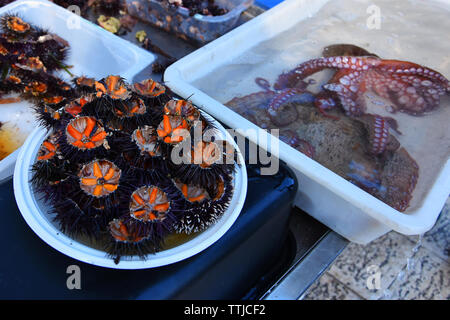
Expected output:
(3, 50)
(85, 133)
(149, 203)
(14, 79)
(149, 88)
(48, 148)
(54, 114)
(182, 108)
(63, 85)
(192, 193)
(114, 87)
(132, 108)
(120, 232)
(34, 63)
(76, 106)
(17, 25)
(147, 140)
(30, 63)
(36, 88)
(85, 81)
(99, 178)
(206, 154)
(172, 129)
(53, 100)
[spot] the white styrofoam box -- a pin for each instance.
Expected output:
(94, 52)
(329, 198)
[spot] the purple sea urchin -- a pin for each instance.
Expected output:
(204, 206)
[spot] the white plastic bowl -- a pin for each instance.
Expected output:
(329, 198)
(36, 215)
(94, 52)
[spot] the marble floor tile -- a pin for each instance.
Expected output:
(328, 288)
(407, 267)
(425, 277)
(438, 238)
(370, 269)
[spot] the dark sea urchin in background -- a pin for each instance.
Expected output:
(28, 57)
(107, 170)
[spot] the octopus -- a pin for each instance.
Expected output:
(345, 145)
(411, 88)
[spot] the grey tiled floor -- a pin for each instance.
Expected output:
(393, 267)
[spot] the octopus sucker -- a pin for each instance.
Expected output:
(410, 68)
(280, 100)
(378, 132)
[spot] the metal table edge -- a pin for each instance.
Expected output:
(294, 284)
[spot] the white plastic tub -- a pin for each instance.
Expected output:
(334, 201)
(94, 52)
(35, 213)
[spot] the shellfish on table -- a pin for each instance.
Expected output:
(108, 172)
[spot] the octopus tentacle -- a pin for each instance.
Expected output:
(340, 62)
(290, 80)
(324, 101)
(278, 104)
(349, 86)
(378, 128)
(412, 88)
(340, 146)
(410, 68)
(352, 67)
(411, 94)
(263, 83)
(280, 109)
(281, 98)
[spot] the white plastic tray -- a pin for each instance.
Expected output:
(94, 52)
(334, 201)
(36, 215)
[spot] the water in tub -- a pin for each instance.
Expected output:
(408, 30)
(16, 124)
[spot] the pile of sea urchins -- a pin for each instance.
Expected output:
(129, 164)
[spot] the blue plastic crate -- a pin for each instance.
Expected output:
(268, 3)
